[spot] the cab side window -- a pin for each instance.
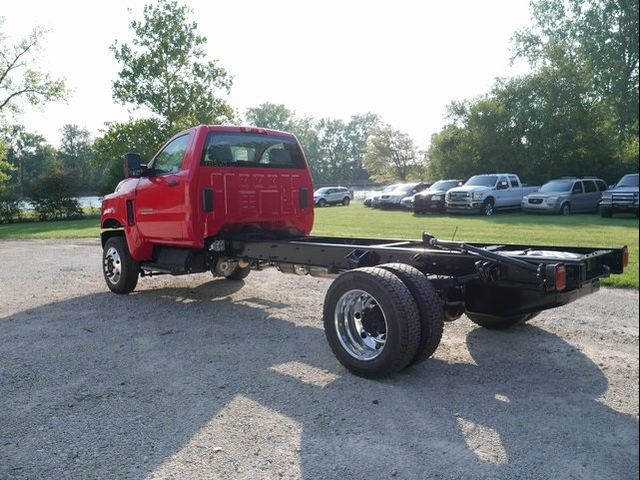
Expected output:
(590, 186)
(170, 158)
(514, 181)
(577, 188)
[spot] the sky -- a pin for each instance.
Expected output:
(403, 59)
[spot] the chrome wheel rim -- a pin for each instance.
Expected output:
(112, 265)
(361, 325)
(488, 209)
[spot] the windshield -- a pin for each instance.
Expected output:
(628, 181)
(482, 181)
(443, 185)
(390, 188)
(556, 186)
(320, 191)
(403, 189)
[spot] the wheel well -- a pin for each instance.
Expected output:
(111, 223)
(104, 236)
(490, 200)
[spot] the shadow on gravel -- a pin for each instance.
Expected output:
(117, 387)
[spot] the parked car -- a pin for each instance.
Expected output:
(485, 194)
(393, 199)
(332, 196)
(566, 195)
(432, 199)
(374, 200)
(622, 197)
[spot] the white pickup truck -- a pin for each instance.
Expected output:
(485, 194)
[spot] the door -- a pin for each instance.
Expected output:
(502, 193)
(161, 198)
(578, 200)
(592, 195)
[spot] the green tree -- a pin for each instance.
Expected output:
(21, 79)
(76, 153)
(392, 155)
(53, 193)
(358, 131)
(275, 116)
(29, 154)
(144, 136)
(165, 69)
(600, 39)
(5, 167)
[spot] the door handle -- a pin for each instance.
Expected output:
(172, 183)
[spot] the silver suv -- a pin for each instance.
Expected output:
(332, 196)
(566, 195)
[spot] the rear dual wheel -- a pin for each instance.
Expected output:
(382, 319)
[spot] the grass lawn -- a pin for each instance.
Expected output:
(85, 228)
(358, 221)
(575, 230)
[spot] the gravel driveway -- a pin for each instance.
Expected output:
(192, 377)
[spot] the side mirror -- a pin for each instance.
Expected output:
(132, 165)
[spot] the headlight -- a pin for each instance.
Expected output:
(525, 199)
(436, 197)
(477, 195)
(552, 200)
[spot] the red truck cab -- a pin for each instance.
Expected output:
(210, 180)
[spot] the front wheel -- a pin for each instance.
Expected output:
(487, 208)
(495, 322)
(371, 322)
(565, 209)
(322, 203)
(120, 270)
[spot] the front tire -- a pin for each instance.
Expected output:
(565, 209)
(322, 203)
(494, 322)
(371, 322)
(120, 270)
(487, 208)
(239, 273)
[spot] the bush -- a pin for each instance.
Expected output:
(52, 194)
(10, 210)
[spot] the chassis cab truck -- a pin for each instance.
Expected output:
(228, 200)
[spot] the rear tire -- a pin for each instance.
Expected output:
(494, 322)
(120, 270)
(371, 322)
(429, 306)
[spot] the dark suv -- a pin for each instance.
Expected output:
(623, 197)
(432, 199)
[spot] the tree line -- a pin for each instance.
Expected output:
(576, 113)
